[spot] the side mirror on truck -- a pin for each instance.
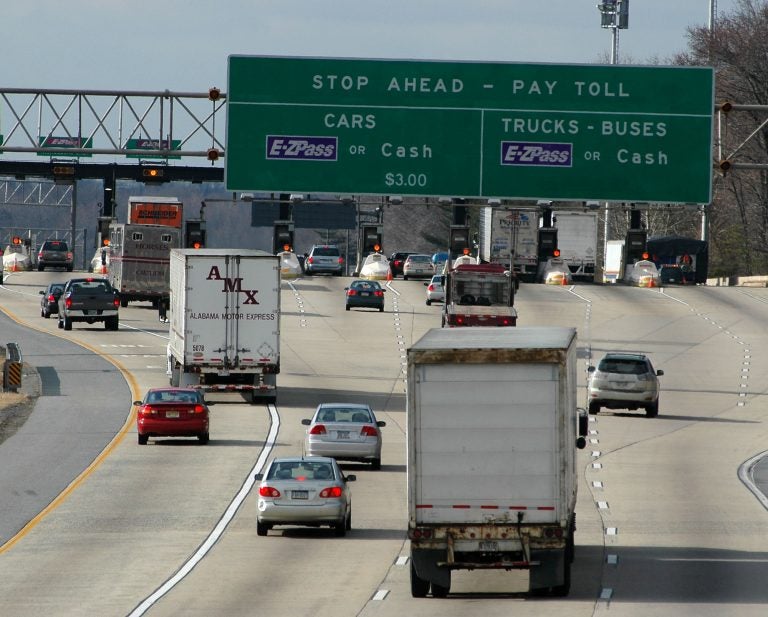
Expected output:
(583, 427)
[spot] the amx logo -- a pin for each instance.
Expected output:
(292, 147)
(541, 154)
(233, 284)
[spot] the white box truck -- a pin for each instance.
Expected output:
(139, 258)
(492, 431)
(503, 229)
(225, 321)
(577, 241)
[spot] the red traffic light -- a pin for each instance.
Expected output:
(197, 245)
(213, 154)
(556, 252)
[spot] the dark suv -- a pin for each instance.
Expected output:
(324, 258)
(396, 262)
(55, 254)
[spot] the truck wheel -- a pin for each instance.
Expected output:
(175, 379)
(67, 323)
(203, 439)
(40, 267)
(563, 590)
(438, 591)
(143, 439)
(651, 411)
(376, 464)
(262, 528)
(123, 302)
(340, 528)
(70, 268)
(419, 587)
(60, 324)
(594, 408)
(429, 302)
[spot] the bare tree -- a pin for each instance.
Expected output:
(737, 48)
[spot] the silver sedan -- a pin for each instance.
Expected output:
(310, 491)
(345, 431)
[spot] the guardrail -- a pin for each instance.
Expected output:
(12, 367)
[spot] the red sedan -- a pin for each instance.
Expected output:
(172, 412)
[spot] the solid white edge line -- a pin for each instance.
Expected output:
(220, 527)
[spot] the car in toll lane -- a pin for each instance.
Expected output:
(396, 262)
(435, 290)
(307, 491)
(364, 294)
(55, 254)
(418, 266)
(345, 431)
(172, 412)
(624, 380)
(49, 302)
(325, 258)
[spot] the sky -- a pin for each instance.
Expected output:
(183, 45)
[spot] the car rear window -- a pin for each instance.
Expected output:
(344, 414)
(55, 246)
(420, 258)
(326, 251)
(300, 471)
(623, 367)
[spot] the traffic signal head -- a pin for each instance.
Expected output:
(151, 174)
(194, 235)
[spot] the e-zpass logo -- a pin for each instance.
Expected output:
(294, 147)
(539, 154)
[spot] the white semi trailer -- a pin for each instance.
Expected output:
(225, 321)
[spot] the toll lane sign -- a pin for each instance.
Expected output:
(462, 129)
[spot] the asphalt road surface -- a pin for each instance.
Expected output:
(666, 523)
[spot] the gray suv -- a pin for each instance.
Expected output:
(55, 254)
(324, 258)
(624, 380)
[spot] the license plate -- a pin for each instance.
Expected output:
(171, 414)
(365, 293)
(489, 546)
(342, 434)
(299, 494)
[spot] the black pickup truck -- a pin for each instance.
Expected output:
(90, 300)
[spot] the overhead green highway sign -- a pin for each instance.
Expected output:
(469, 129)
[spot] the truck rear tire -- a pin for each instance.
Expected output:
(419, 586)
(438, 591)
(651, 411)
(67, 323)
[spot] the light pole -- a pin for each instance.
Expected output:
(614, 14)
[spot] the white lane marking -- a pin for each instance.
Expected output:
(380, 594)
(612, 560)
(746, 470)
(402, 560)
(221, 526)
(606, 593)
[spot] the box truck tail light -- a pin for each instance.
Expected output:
(318, 429)
(419, 533)
(553, 532)
(369, 431)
